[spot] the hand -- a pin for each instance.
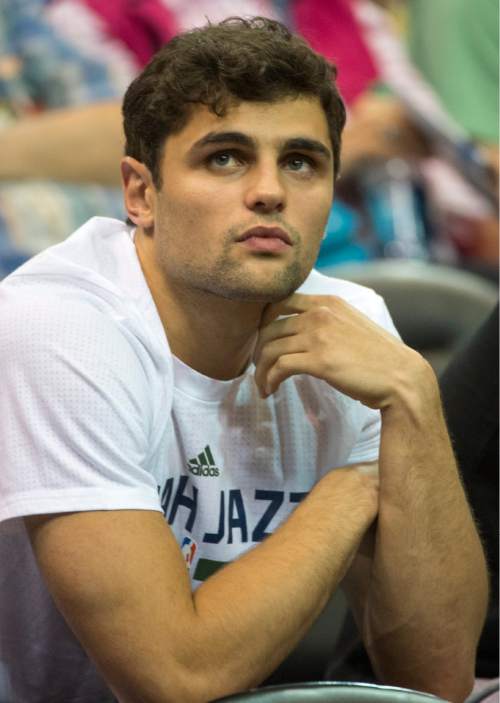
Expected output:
(355, 492)
(352, 492)
(327, 338)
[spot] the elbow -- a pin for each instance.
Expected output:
(451, 679)
(454, 692)
(453, 689)
(457, 687)
(182, 682)
(196, 684)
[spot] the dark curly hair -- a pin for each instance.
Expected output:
(218, 65)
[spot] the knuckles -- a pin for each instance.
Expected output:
(325, 301)
(321, 314)
(281, 364)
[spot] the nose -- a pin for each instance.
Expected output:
(265, 192)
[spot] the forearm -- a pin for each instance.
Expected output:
(78, 144)
(428, 592)
(253, 612)
(120, 581)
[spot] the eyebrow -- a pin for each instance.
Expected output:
(306, 144)
(299, 143)
(224, 138)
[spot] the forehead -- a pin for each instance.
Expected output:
(266, 123)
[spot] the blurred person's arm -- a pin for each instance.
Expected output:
(78, 144)
(378, 127)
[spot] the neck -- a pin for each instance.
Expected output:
(212, 335)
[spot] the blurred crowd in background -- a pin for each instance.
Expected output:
(420, 154)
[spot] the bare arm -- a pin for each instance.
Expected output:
(78, 145)
(379, 127)
(419, 591)
(120, 581)
(419, 583)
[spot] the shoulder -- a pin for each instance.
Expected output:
(86, 293)
(78, 380)
(58, 335)
(98, 254)
(35, 316)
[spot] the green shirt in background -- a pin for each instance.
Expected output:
(454, 44)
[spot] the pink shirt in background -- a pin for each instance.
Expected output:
(142, 26)
(332, 29)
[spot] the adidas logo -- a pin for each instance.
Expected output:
(203, 464)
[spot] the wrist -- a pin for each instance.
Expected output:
(415, 393)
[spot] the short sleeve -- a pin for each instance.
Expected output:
(76, 414)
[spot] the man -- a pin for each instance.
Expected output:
(169, 370)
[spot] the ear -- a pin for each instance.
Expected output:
(139, 192)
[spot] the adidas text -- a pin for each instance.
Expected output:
(203, 464)
(204, 470)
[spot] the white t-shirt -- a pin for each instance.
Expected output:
(96, 414)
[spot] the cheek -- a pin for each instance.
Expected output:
(178, 209)
(186, 228)
(196, 207)
(313, 207)
(194, 189)
(314, 225)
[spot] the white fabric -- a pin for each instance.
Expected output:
(97, 414)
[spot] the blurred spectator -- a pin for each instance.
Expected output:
(41, 72)
(445, 207)
(65, 63)
(454, 43)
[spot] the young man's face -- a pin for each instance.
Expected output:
(245, 199)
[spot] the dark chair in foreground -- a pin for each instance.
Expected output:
(331, 692)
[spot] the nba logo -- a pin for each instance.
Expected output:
(188, 549)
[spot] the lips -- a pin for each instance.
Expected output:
(266, 233)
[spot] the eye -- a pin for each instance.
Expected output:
(224, 160)
(300, 163)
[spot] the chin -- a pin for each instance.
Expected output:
(252, 284)
(265, 291)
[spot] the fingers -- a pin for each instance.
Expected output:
(276, 330)
(367, 469)
(284, 367)
(274, 354)
(369, 474)
(293, 305)
(306, 312)
(290, 340)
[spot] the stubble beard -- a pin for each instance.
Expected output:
(230, 279)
